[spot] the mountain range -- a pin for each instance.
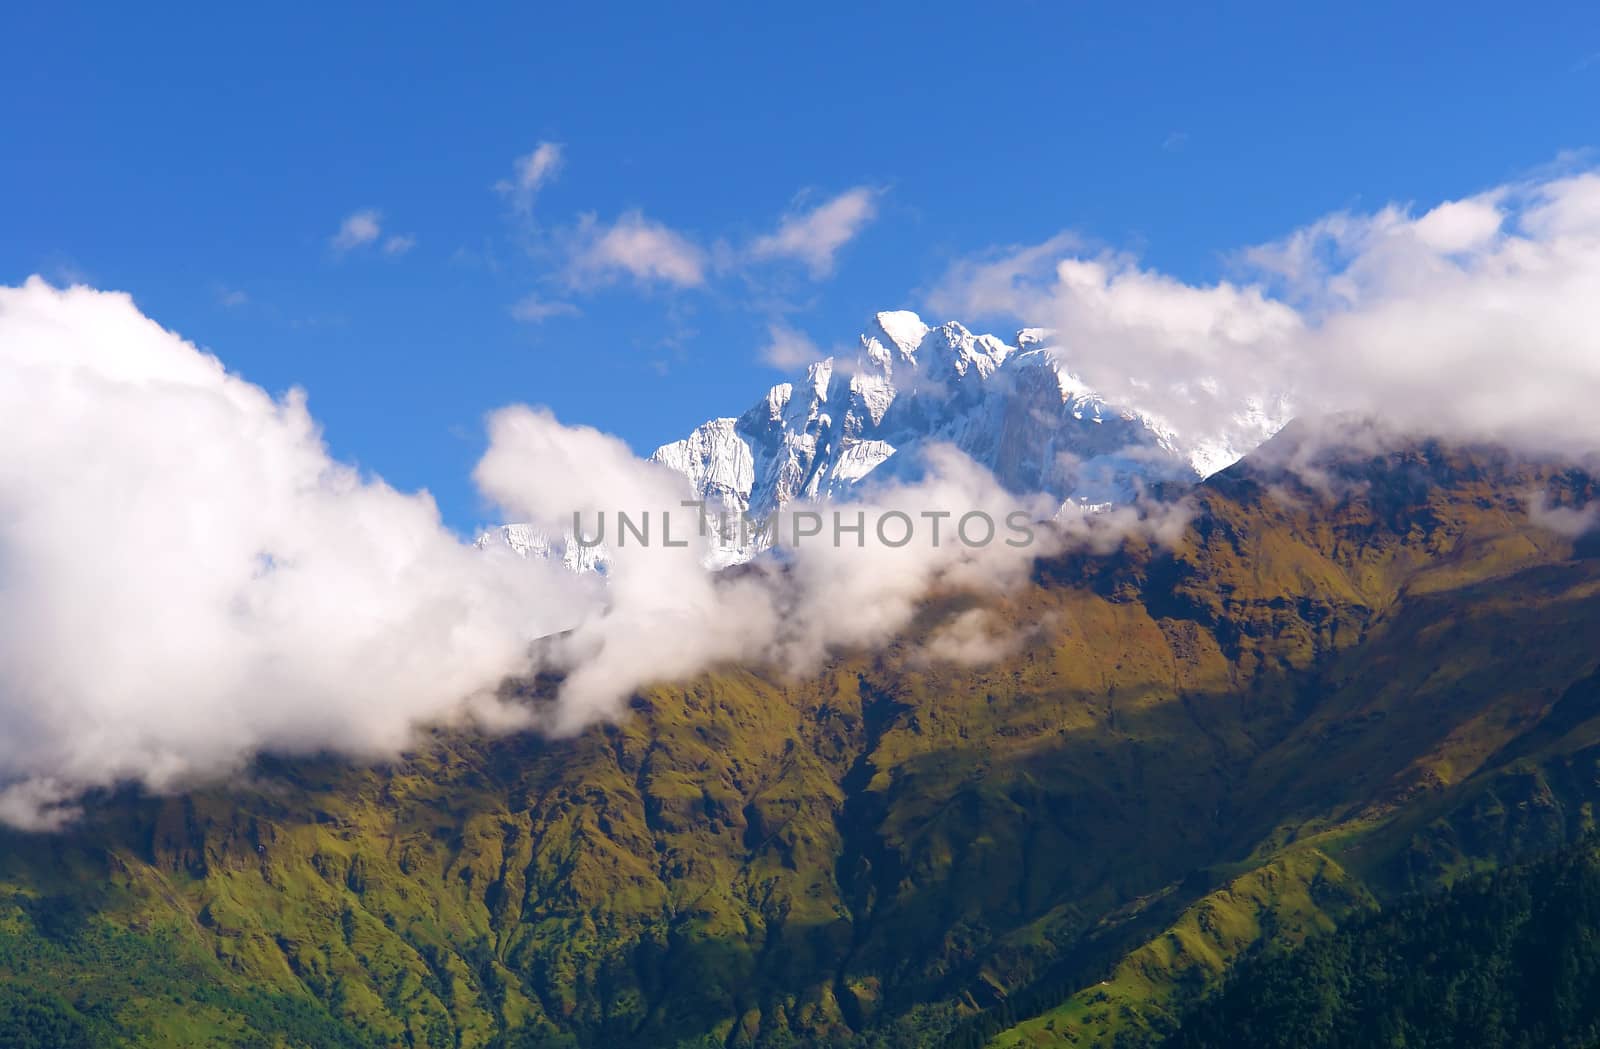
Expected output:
(1014, 408)
(1363, 671)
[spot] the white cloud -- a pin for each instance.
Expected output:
(789, 349)
(666, 617)
(974, 637)
(358, 229)
(634, 245)
(190, 577)
(533, 309)
(1571, 522)
(1007, 281)
(365, 227)
(650, 252)
(814, 237)
(1472, 319)
(531, 173)
(232, 298)
(1460, 225)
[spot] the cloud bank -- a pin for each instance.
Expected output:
(1473, 319)
(189, 578)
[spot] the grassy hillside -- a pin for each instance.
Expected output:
(1322, 695)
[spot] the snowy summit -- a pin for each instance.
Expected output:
(1014, 407)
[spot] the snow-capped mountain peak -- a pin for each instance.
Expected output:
(900, 329)
(1014, 407)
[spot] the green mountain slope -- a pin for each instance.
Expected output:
(1508, 959)
(1323, 694)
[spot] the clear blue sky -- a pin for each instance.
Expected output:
(203, 160)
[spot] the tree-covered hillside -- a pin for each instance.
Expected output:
(1508, 960)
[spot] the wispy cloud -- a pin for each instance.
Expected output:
(788, 349)
(363, 229)
(359, 228)
(531, 173)
(638, 247)
(231, 298)
(593, 253)
(814, 237)
(535, 310)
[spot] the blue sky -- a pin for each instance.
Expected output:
(205, 159)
